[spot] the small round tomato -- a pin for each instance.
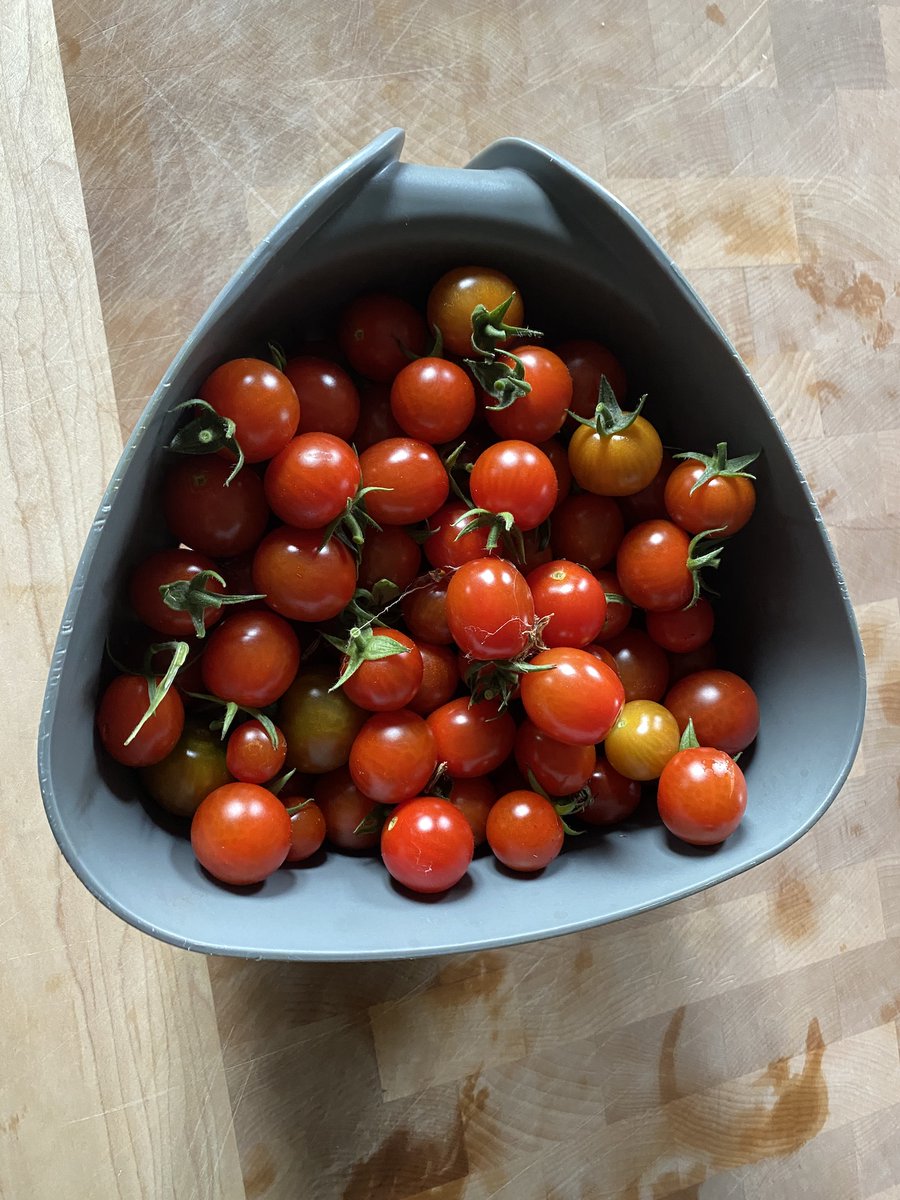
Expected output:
(490, 610)
(319, 724)
(310, 481)
(440, 678)
(386, 684)
(455, 295)
(251, 658)
(300, 578)
(570, 599)
(618, 612)
(722, 706)
(587, 529)
(122, 706)
(424, 609)
(214, 518)
(515, 477)
(558, 768)
(615, 464)
(654, 566)
(642, 740)
(427, 845)
(641, 664)
(194, 768)
(251, 757)
(588, 362)
(474, 798)
(649, 503)
(376, 331)
(444, 547)
(413, 475)
(261, 401)
(576, 699)
(393, 756)
(724, 502)
(241, 833)
(684, 629)
(540, 413)
(687, 664)
(389, 553)
(524, 831)
(433, 400)
(559, 458)
(329, 400)
(344, 809)
(472, 739)
(376, 421)
(307, 831)
(612, 797)
(702, 796)
(603, 654)
(170, 566)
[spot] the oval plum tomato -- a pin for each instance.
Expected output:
(570, 599)
(307, 831)
(558, 768)
(540, 413)
(121, 707)
(433, 400)
(194, 768)
(213, 518)
(302, 579)
(642, 665)
(310, 481)
(251, 658)
(471, 739)
(260, 400)
(517, 478)
(415, 480)
(241, 833)
(726, 501)
(642, 740)
(440, 678)
(587, 529)
(559, 458)
(474, 798)
(611, 797)
(344, 808)
(524, 831)
(688, 664)
(385, 684)
(684, 629)
(424, 609)
(702, 796)
(427, 845)
(251, 757)
(376, 331)
(376, 421)
(588, 362)
(618, 612)
(320, 724)
(615, 464)
(490, 610)
(654, 566)
(329, 401)
(576, 700)
(170, 566)
(393, 756)
(389, 553)
(649, 503)
(458, 292)
(723, 707)
(445, 548)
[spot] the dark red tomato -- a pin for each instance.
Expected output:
(389, 553)
(613, 798)
(472, 739)
(477, 677)
(238, 575)
(517, 478)
(587, 363)
(309, 483)
(571, 600)
(427, 845)
(702, 796)
(508, 778)
(577, 701)
(386, 684)
(524, 831)
(169, 566)
(329, 401)
(444, 548)
(214, 519)
(490, 610)
(241, 833)
(424, 610)
(687, 664)
(375, 333)
(724, 502)
(302, 579)
(455, 295)
(559, 457)
(260, 400)
(319, 724)
(536, 554)
(560, 769)
(307, 832)
(122, 706)
(540, 413)
(393, 756)
(587, 529)
(603, 654)
(684, 629)
(251, 757)
(474, 798)
(344, 808)
(649, 504)
(723, 707)
(251, 658)
(433, 400)
(618, 612)
(652, 566)
(643, 666)
(414, 476)
(376, 421)
(440, 679)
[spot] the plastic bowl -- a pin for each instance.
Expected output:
(587, 266)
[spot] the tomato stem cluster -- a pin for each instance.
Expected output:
(208, 433)
(503, 382)
(719, 464)
(193, 597)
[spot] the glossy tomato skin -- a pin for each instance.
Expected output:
(329, 400)
(612, 797)
(702, 796)
(722, 705)
(458, 292)
(642, 665)
(472, 739)
(424, 609)
(386, 684)
(344, 808)
(251, 658)
(577, 701)
(723, 502)
(433, 400)
(121, 707)
(241, 833)
(642, 740)
(474, 798)
(309, 482)
(389, 553)
(683, 630)
(320, 724)
(445, 548)
(490, 610)
(440, 678)
(300, 578)
(570, 599)
(169, 566)
(559, 769)
(618, 612)
(540, 413)
(515, 477)
(652, 566)
(260, 400)
(603, 654)
(195, 767)
(588, 529)
(587, 362)
(414, 474)
(618, 464)
(307, 832)
(213, 518)
(250, 755)
(393, 756)
(375, 332)
(524, 831)
(427, 845)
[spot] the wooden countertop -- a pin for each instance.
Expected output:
(659, 1057)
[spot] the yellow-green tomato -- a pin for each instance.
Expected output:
(319, 725)
(189, 773)
(642, 741)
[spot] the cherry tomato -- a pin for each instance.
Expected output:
(472, 739)
(251, 658)
(517, 478)
(490, 610)
(616, 464)
(427, 845)
(455, 295)
(603, 654)
(524, 831)
(385, 684)
(424, 609)
(169, 566)
(540, 413)
(393, 756)
(571, 600)
(577, 700)
(618, 612)
(649, 503)
(684, 629)
(251, 757)
(194, 768)
(474, 798)
(642, 665)
(559, 768)
(301, 578)
(121, 707)
(587, 363)
(238, 575)
(652, 566)
(444, 548)
(433, 400)
(329, 401)
(307, 832)
(376, 421)
(375, 333)
(414, 476)
(687, 664)
(260, 400)
(724, 502)
(319, 724)
(559, 458)
(536, 553)
(587, 529)
(439, 678)
(241, 833)
(613, 798)
(642, 740)
(310, 481)
(723, 707)
(389, 553)
(205, 514)
(344, 808)
(702, 796)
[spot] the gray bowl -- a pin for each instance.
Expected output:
(587, 266)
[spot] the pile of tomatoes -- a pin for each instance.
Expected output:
(423, 596)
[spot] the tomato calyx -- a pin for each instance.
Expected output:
(207, 433)
(609, 417)
(158, 687)
(489, 327)
(361, 646)
(193, 597)
(373, 820)
(689, 737)
(350, 524)
(231, 709)
(720, 465)
(452, 465)
(499, 678)
(501, 381)
(565, 806)
(697, 562)
(435, 350)
(278, 356)
(499, 525)
(368, 606)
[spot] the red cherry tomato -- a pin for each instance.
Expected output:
(424, 609)
(439, 678)
(524, 831)
(389, 553)
(393, 756)
(433, 400)
(652, 566)
(213, 518)
(376, 421)
(517, 478)
(702, 796)
(723, 707)
(474, 798)
(490, 610)
(587, 363)
(571, 599)
(170, 566)
(472, 739)
(329, 401)
(618, 612)
(683, 630)
(241, 833)
(558, 768)
(444, 548)
(251, 658)
(539, 414)
(376, 331)
(414, 477)
(588, 529)
(577, 700)
(344, 808)
(427, 845)
(122, 706)
(455, 295)
(559, 459)
(386, 684)
(307, 832)
(260, 400)
(251, 757)
(603, 654)
(302, 579)
(310, 481)
(642, 665)
(724, 502)
(613, 798)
